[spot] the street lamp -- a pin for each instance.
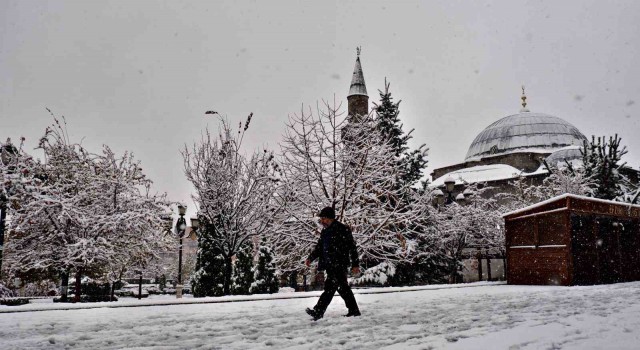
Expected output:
(181, 225)
(195, 223)
(444, 195)
(449, 184)
(438, 196)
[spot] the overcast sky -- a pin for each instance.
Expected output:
(139, 75)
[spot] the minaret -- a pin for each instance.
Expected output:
(358, 100)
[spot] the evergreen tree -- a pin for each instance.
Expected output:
(603, 165)
(412, 162)
(243, 271)
(208, 279)
(266, 280)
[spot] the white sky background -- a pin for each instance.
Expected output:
(139, 75)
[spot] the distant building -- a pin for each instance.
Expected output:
(514, 146)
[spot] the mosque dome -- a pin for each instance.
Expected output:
(559, 158)
(525, 132)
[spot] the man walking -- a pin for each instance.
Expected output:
(337, 251)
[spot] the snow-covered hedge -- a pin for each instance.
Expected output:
(378, 275)
(41, 288)
(5, 292)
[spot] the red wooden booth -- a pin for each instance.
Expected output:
(573, 240)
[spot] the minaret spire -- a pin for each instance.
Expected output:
(358, 99)
(524, 101)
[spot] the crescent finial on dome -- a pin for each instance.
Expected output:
(524, 101)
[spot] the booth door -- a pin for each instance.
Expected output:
(608, 247)
(629, 233)
(585, 251)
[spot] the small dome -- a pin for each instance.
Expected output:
(571, 154)
(525, 131)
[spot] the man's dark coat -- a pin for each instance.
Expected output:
(335, 248)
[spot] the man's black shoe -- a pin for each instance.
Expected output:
(353, 314)
(313, 314)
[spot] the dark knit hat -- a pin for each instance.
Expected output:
(328, 213)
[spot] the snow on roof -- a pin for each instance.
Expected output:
(562, 196)
(484, 173)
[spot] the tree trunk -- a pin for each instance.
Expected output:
(228, 268)
(64, 286)
(78, 286)
(293, 280)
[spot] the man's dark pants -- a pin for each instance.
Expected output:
(336, 281)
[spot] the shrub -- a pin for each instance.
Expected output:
(14, 301)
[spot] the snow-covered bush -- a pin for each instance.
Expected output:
(208, 279)
(243, 271)
(41, 288)
(286, 290)
(378, 275)
(265, 278)
(5, 292)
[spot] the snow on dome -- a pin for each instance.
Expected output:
(523, 132)
(483, 173)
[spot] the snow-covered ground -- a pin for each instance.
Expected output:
(482, 317)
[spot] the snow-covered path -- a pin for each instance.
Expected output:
(487, 317)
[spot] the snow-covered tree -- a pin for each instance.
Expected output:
(348, 165)
(524, 191)
(264, 275)
(387, 120)
(127, 213)
(16, 172)
(243, 270)
(233, 191)
(567, 179)
(472, 225)
(83, 213)
(602, 162)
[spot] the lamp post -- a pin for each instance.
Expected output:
(181, 225)
(449, 185)
(195, 224)
(443, 199)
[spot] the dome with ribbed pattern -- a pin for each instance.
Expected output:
(523, 132)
